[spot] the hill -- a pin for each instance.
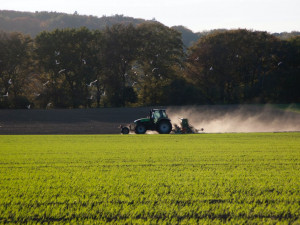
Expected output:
(34, 23)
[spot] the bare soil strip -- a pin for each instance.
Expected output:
(107, 120)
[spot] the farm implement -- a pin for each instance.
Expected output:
(185, 128)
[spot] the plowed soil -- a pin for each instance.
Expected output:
(68, 121)
(108, 120)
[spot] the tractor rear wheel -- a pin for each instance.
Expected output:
(140, 129)
(164, 127)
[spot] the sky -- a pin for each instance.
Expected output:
(197, 15)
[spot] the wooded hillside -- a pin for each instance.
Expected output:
(146, 64)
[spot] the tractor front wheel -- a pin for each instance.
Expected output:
(125, 130)
(164, 127)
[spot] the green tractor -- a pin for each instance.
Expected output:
(157, 121)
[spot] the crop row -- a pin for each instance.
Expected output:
(171, 179)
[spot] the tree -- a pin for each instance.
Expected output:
(284, 81)
(68, 59)
(121, 48)
(15, 67)
(160, 57)
(97, 58)
(232, 66)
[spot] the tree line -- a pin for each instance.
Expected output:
(146, 64)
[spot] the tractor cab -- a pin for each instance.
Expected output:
(158, 114)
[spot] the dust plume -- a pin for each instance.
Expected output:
(237, 118)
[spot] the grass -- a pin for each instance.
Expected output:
(150, 179)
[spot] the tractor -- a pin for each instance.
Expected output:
(157, 121)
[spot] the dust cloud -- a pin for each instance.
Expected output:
(237, 118)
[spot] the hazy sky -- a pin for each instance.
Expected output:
(197, 15)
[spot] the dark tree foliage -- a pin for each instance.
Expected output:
(182, 92)
(126, 65)
(240, 66)
(65, 56)
(160, 57)
(15, 69)
(118, 66)
(121, 48)
(283, 83)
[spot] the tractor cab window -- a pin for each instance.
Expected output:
(156, 115)
(163, 114)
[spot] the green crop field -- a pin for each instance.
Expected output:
(249, 178)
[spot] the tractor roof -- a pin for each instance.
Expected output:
(158, 109)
